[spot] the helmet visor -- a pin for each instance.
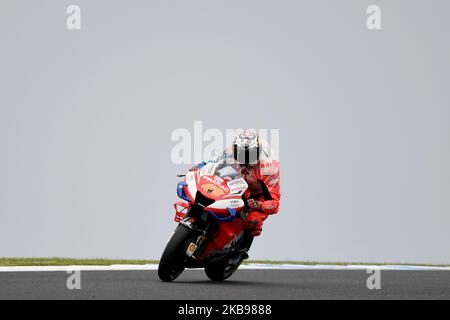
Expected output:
(246, 156)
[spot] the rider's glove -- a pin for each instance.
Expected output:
(253, 204)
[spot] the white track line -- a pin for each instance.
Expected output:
(252, 266)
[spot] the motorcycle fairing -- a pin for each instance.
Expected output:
(227, 194)
(227, 235)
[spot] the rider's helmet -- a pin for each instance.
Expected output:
(246, 147)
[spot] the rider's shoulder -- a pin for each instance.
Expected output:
(268, 166)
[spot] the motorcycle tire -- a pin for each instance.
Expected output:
(222, 269)
(173, 259)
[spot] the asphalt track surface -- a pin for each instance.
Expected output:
(245, 284)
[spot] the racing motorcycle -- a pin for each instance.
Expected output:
(210, 232)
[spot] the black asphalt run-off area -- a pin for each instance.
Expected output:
(245, 284)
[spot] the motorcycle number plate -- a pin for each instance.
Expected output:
(192, 247)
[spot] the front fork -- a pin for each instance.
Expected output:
(204, 226)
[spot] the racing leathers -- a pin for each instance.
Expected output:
(263, 193)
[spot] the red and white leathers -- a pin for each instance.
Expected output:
(263, 180)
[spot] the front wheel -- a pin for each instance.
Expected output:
(173, 259)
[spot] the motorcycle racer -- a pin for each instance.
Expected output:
(252, 157)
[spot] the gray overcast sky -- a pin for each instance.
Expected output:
(86, 118)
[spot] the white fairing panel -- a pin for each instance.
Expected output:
(191, 183)
(237, 186)
(235, 204)
(208, 169)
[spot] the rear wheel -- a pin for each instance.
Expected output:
(223, 269)
(173, 260)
